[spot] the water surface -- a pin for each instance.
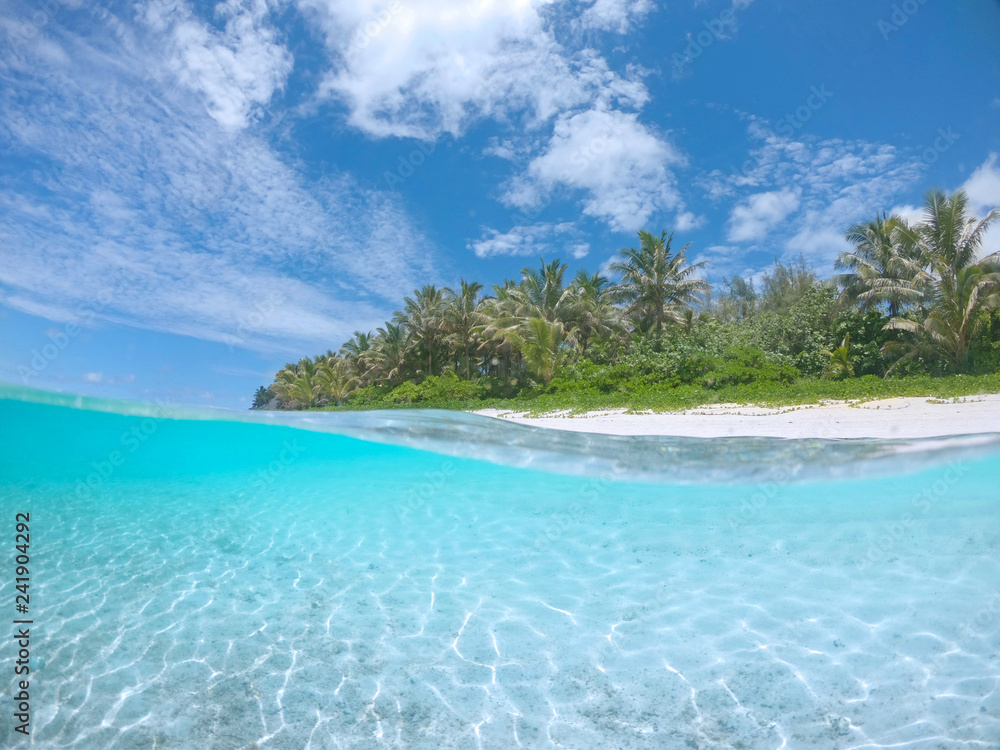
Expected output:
(452, 582)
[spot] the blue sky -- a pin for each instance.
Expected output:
(193, 194)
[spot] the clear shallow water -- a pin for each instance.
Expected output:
(233, 584)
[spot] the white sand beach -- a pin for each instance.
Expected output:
(888, 418)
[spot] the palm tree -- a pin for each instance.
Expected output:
(656, 284)
(960, 290)
(294, 386)
(543, 293)
(542, 342)
(463, 319)
(499, 315)
(333, 380)
(262, 398)
(882, 267)
(840, 365)
(595, 315)
(422, 315)
(389, 353)
(358, 351)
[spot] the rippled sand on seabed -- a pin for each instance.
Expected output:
(240, 586)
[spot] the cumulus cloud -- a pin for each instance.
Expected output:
(983, 187)
(432, 66)
(621, 166)
(755, 217)
(912, 214)
(686, 221)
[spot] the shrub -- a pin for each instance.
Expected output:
(744, 365)
(447, 387)
(986, 348)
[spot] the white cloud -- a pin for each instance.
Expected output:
(983, 187)
(432, 66)
(686, 221)
(837, 183)
(983, 190)
(163, 218)
(504, 149)
(755, 217)
(538, 239)
(93, 377)
(234, 69)
(619, 164)
(912, 214)
(620, 16)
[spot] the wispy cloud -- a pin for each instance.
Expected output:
(619, 16)
(801, 194)
(234, 69)
(538, 239)
(180, 221)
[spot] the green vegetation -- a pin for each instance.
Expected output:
(914, 311)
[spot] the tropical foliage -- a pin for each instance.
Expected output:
(911, 299)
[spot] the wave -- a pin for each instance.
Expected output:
(722, 460)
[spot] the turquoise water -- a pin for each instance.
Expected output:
(205, 583)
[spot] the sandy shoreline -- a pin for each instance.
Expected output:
(888, 418)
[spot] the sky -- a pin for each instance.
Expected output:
(193, 194)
